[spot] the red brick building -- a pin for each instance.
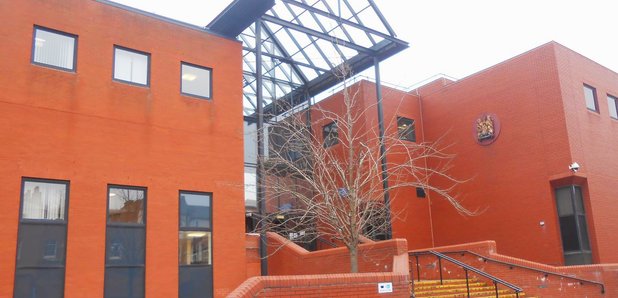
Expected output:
(121, 168)
(548, 108)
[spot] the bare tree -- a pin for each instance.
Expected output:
(315, 189)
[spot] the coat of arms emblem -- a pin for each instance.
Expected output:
(485, 128)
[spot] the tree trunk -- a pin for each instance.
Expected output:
(353, 259)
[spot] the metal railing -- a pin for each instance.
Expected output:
(544, 272)
(467, 268)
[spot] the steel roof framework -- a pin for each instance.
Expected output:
(303, 41)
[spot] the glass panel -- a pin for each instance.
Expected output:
(195, 282)
(194, 248)
(125, 246)
(124, 282)
(130, 66)
(43, 200)
(194, 210)
(41, 245)
(406, 129)
(195, 80)
(589, 94)
(579, 258)
(330, 134)
(563, 200)
(54, 49)
(39, 283)
(579, 203)
(126, 205)
(611, 104)
(583, 230)
(568, 230)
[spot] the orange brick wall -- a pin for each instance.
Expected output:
(289, 266)
(593, 139)
(509, 179)
(287, 258)
(411, 218)
(90, 130)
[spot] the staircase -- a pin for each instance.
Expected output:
(457, 288)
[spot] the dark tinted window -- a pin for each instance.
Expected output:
(330, 134)
(405, 129)
(194, 210)
(124, 282)
(195, 245)
(41, 244)
(39, 283)
(125, 247)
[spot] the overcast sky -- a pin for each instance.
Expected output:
(457, 37)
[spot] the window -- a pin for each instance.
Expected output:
(330, 134)
(125, 246)
(612, 103)
(195, 245)
(573, 227)
(41, 247)
(196, 80)
(131, 66)
(405, 129)
(420, 192)
(590, 94)
(54, 48)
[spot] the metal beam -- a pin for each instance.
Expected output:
(382, 18)
(278, 81)
(289, 60)
(387, 199)
(317, 34)
(260, 147)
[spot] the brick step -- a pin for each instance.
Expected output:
(454, 290)
(448, 286)
(426, 282)
(501, 293)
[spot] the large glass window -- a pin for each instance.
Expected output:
(590, 95)
(131, 66)
(54, 48)
(41, 246)
(125, 248)
(330, 134)
(195, 245)
(405, 129)
(612, 104)
(573, 228)
(196, 80)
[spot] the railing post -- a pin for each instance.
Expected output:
(496, 286)
(467, 283)
(418, 269)
(516, 294)
(440, 269)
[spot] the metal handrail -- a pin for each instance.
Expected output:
(545, 272)
(466, 269)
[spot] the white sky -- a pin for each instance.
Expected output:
(457, 37)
